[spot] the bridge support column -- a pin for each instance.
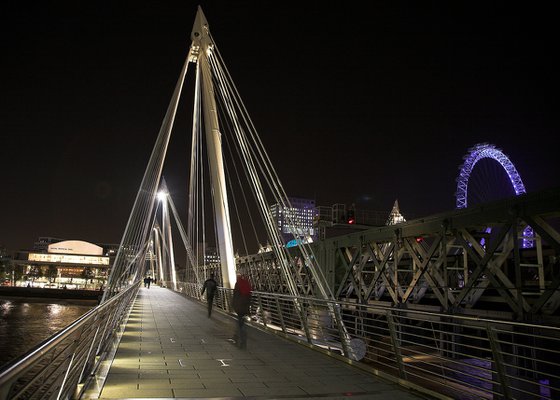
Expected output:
(200, 38)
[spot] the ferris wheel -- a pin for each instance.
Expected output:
(469, 191)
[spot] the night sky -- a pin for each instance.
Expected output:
(359, 104)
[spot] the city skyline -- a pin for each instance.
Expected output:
(353, 106)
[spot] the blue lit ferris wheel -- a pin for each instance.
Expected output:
(481, 153)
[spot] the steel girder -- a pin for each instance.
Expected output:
(443, 260)
(440, 261)
(266, 274)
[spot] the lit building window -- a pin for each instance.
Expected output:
(296, 220)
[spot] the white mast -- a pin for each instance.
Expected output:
(201, 50)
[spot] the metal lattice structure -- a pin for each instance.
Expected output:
(474, 155)
(437, 263)
(477, 153)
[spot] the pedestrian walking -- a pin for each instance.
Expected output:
(210, 286)
(241, 305)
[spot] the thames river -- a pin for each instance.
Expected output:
(24, 323)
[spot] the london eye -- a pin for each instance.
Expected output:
(487, 174)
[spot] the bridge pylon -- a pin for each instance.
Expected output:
(201, 49)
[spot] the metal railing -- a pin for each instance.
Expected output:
(449, 355)
(60, 367)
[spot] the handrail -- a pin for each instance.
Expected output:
(55, 367)
(444, 355)
(420, 312)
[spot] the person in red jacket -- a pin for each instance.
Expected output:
(241, 305)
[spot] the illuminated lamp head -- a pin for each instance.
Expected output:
(161, 196)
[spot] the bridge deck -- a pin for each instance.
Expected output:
(170, 349)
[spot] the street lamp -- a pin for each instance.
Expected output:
(162, 196)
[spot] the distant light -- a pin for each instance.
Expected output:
(419, 239)
(161, 196)
(292, 243)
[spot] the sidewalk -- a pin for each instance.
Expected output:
(171, 349)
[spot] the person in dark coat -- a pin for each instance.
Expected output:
(210, 286)
(241, 305)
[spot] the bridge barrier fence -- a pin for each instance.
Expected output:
(452, 355)
(60, 367)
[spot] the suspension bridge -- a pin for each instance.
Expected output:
(462, 304)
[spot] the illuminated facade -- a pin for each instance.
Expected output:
(71, 264)
(209, 254)
(295, 222)
(68, 259)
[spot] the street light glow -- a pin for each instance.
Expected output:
(161, 196)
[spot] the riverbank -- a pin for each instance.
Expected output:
(50, 293)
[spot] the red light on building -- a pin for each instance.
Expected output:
(351, 217)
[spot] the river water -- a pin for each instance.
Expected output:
(24, 323)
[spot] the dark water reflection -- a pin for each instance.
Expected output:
(24, 323)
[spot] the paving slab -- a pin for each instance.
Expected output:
(171, 349)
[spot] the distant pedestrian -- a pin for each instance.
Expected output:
(149, 281)
(210, 286)
(145, 281)
(241, 305)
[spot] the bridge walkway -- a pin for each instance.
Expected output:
(171, 349)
